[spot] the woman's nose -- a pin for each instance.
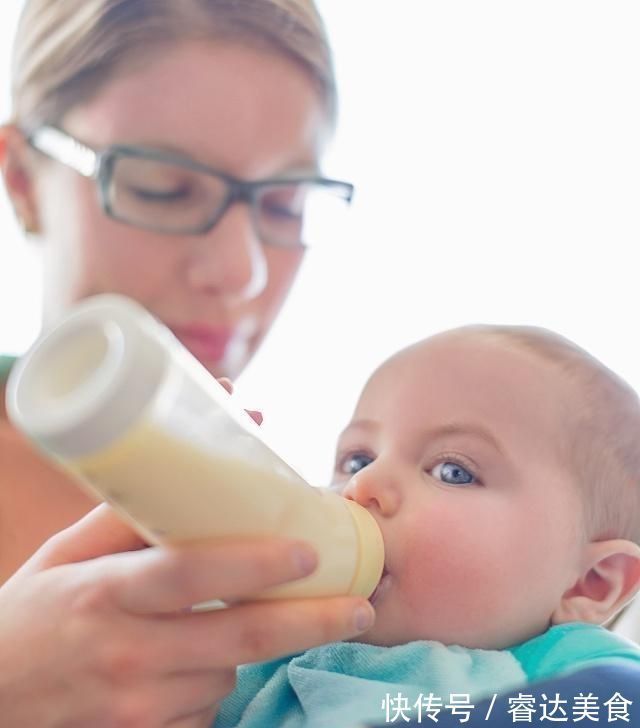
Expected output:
(375, 488)
(229, 260)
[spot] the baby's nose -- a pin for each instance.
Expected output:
(374, 488)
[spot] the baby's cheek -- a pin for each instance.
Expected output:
(452, 584)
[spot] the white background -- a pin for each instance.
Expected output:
(496, 151)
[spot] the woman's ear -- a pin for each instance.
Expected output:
(17, 170)
(610, 578)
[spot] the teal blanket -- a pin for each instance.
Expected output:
(347, 683)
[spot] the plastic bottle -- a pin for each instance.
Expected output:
(118, 401)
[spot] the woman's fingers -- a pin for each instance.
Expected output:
(100, 532)
(107, 655)
(226, 383)
(255, 415)
(256, 631)
(170, 579)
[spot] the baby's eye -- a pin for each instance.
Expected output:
(453, 474)
(352, 463)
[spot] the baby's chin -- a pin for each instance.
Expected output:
(384, 636)
(363, 639)
(381, 636)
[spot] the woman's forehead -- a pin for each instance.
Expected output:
(229, 105)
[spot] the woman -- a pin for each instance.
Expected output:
(164, 151)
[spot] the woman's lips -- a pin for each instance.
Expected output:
(206, 343)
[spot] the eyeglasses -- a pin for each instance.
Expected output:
(167, 193)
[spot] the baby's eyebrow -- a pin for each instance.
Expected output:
(364, 425)
(467, 428)
(475, 429)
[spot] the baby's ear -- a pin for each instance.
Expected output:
(610, 578)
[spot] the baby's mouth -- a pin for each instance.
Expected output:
(381, 587)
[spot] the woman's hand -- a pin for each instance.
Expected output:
(256, 415)
(95, 629)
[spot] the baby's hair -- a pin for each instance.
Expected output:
(65, 51)
(603, 429)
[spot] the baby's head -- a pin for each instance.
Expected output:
(502, 465)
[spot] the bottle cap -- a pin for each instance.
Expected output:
(370, 551)
(88, 379)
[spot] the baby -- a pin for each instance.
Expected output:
(502, 465)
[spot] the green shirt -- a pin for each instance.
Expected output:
(6, 362)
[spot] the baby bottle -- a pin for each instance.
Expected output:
(112, 396)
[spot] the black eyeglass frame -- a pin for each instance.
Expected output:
(99, 165)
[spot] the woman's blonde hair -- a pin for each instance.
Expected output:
(66, 50)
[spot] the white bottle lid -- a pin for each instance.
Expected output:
(81, 385)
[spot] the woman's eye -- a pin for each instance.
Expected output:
(351, 464)
(453, 474)
(151, 195)
(281, 211)
(286, 202)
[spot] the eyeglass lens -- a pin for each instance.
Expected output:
(176, 199)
